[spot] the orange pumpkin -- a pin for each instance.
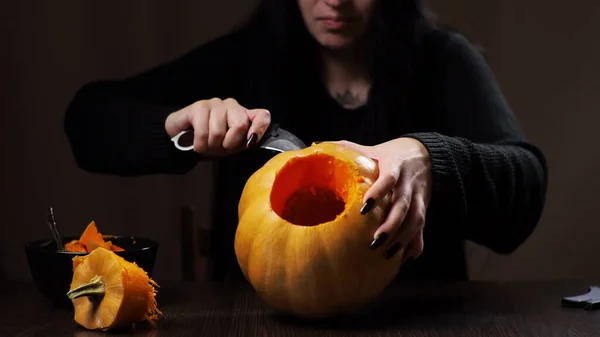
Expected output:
(110, 292)
(301, 240)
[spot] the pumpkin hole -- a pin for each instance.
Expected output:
(311, 190)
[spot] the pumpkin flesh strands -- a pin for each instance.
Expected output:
(109, 292)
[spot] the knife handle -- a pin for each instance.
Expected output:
(184, 140)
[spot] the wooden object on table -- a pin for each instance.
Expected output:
(196, 260)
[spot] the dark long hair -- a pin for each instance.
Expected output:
(288, 47)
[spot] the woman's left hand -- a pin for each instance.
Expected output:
(405, 170)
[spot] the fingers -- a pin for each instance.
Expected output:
(403, 227)
(261, 119)
(217, 126)
(389, 173)
(199, 117)
(220, 126)
(414, 221)
(388, 178)
(415, 247)
(178, 121)
(401, 203)
(407, 229)
(366, 150)
(238, 123)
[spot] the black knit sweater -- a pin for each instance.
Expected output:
(489, 181)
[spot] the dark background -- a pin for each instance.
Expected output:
(544, 55)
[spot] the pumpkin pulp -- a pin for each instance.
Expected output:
(312, 190)
(108, 292)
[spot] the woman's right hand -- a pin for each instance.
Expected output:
(221, 127)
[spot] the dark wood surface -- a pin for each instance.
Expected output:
(407, 309)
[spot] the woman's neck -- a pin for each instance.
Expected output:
(347, 76)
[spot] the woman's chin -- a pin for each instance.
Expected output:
(336, 42)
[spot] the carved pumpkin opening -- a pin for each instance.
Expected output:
(311, 190)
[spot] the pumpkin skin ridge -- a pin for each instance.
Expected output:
(324, 253)
(295, 286)
(263, 247)
(303, 257)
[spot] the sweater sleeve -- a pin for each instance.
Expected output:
(117, 126)
(489, 182)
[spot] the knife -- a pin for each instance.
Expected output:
(274, 139)
(589, 300)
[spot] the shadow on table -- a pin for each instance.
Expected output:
(384, 314)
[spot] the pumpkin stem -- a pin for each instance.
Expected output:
(95, 287)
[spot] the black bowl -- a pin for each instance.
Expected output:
(52, 271)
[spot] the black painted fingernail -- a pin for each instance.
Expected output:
(252, 140)
(379, 240)
(393, 250)
(367, 206)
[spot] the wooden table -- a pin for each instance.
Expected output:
(407, 309)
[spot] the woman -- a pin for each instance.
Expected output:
(376, 73)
